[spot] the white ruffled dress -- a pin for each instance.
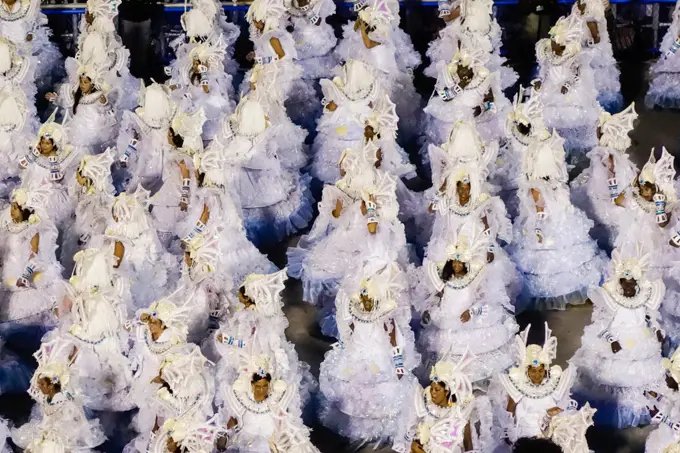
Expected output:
(558, 270)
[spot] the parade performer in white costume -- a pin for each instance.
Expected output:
(551, 245)
(366, 376)
(620, 356)
(600, 189)
(537, 396)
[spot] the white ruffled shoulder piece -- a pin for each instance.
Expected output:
(265, 290)
(615, 128)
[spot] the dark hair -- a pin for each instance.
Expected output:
(79, 94)
(256, 377)
(56, 148)
(195, 77)
(524, 129)
(25, 213)
(447, 271)
(56, 385)
(452, 397)
(535, 445)
(177, 139)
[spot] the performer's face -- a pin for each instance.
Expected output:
(16, 212)
(647, 191)
(629, 286)
(85, 84)
(366, 302)
(558, 49)
(463, 191)
(439, 394)
(524, 129)
(47, 387)
(459, 269)
(260, 390)
(172, 446)
(46, 145)
(536, 374)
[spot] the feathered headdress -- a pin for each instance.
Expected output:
(545, 159)
(629, 261)
(265, 291)
(132, 207)
(189, 433)
(204, 251)
(615, 128)
(97, 168)
(384, 119)
(661, 173)
(196, 23)
(189, 125)
(468, 55)
(527, 112)
(534, 354)
(210, 163)
(175, 318)
(185, 373)
(92, 270)
(383, 191)
(454, 376)
(210, 53)
(672, 365)
(382, 15)
(36, 198)
(103, 12)
(270, 12)
(13, 109)
(97, 74)
(53, 364)
(155, 104)
(249, 119)
(568, 32)
(383, 286)
(260, 365)
(357, 159)
(55, 131)
(469, 245)
(464, 143)
(357, 81)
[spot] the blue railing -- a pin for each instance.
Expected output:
(79, 8)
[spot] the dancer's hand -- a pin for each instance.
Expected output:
(51, 97)
(616, 347)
